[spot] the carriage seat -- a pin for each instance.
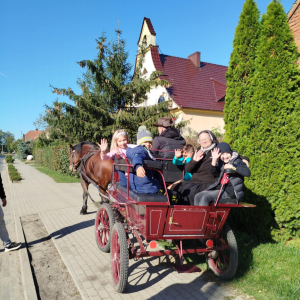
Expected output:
(171, 172)
(141, 197)
(146, 163)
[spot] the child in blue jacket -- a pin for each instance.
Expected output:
(182, 157)
(142, 180)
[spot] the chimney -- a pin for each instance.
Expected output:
(195, 58)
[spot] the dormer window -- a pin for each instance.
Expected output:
(161, 99)
(144, 72)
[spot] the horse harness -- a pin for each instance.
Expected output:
(82, 162)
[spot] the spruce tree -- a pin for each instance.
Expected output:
(109, 98)
(273, 139)
(240, 73)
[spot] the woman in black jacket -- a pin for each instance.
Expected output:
(199, 166)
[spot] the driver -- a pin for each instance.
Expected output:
(224, 158)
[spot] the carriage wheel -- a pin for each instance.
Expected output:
(224, 263)
(104, 222)
(119, 257)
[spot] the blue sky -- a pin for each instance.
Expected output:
(40, 42)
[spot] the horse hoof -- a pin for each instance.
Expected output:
(83, 212)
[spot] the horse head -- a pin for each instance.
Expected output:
(74, 159)
(77, 152)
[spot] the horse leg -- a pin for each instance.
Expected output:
(85, 187)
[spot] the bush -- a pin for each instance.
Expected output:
(9, 159)
(271, 132)
(25, 148)
(14, 175)
(55, 158)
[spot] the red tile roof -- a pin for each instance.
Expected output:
(150, 26)
(191, 87)
(148, 21)
(219, 89)
(293, 9)
(32, 135)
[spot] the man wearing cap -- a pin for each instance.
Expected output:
(169, 138)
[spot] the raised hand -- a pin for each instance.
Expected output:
(103, 145)
(215, 153)
(178, 153)
(140, 172)
(198, 155)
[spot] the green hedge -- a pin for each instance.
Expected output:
(13, 173)
(55, 158)
(9, 159)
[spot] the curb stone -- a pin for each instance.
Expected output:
(27, 277)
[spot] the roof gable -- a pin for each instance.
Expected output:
(192, 87)
(33, 134)
(149, 28)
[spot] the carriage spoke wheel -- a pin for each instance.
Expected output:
(119, 257)
(104, 222)
(224, 262)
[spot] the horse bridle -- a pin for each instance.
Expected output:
(75, 166)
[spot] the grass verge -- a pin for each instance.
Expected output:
(265, 271)
(56, 176)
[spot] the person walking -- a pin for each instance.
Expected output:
(8, 245)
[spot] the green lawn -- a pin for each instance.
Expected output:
(57, 177)
(266, 270)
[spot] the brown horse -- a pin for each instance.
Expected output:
(85, 156)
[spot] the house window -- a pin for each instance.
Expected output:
(145, 41)
(161, 99)
(144, 72)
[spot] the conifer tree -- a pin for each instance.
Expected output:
(273, 140)
(109, 97)
(240, 73)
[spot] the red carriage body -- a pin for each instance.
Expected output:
(151, 217)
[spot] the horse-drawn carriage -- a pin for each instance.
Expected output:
(149, 217)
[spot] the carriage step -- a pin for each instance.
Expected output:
(186, 269)
(211, 227)
(213, 215)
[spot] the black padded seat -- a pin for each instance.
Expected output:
(172, 173)
(142, 197)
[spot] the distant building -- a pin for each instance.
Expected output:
(197, 89)
(32, 135)
(294, 22)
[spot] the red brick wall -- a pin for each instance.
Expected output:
(294, 21)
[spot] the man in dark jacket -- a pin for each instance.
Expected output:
(8, 245)
(169, 138)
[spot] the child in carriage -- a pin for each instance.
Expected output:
(182, 157)
(142, 180)
(119, 145)
(224, 158)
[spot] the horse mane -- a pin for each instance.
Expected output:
(78, 146)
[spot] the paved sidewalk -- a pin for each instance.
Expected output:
(58, 206)
(11, 286)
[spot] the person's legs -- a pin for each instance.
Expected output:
(204, 198)
(3, 231)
